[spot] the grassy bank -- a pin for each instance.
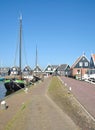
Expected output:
(67, 102)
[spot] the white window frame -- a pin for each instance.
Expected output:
(80, 64)
(86, 64)
(49, 69)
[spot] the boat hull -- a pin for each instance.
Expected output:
(13, 85)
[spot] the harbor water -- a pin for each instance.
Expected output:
(2, 90)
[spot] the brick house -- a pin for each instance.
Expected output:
(80, 67)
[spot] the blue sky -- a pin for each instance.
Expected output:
(61, 29)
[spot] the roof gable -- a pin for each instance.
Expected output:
(37, 69)
(26, 68)
(62, 67)
(92, 61)
(83, 59)
(51, 68)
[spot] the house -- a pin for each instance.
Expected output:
(14, 70)
(92, 61)
(63, 69)
(4, 71)
(80, 66)
(26, 70)
(50, 69)
(92, 65)
(37, 69)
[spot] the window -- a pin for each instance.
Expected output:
(86, 63)
(80, 64)
(49, 69)
(54, 69)
(78, 71)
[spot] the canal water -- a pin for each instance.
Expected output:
(2, 90)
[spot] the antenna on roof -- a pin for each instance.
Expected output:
(83, 53)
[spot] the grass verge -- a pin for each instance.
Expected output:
(67, 102)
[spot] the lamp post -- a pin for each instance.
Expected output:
(81, 72)
(81, 66)
(78, 73)
(81, 69)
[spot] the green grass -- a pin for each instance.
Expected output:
(67, 102)
(60, 95)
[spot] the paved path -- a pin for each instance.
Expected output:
(43, 114)
(84, 92)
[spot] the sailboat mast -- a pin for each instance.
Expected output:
(20, 45)
(36, 57)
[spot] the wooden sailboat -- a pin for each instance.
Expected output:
(16, 84)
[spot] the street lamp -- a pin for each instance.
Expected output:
(81, 65)
(81, 72)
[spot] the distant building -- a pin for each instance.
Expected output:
(14, 70)
(4, 71)
(26, 70)
(37, 69)
(63, 69)
(50, 69)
